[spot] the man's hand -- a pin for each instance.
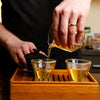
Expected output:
(69, 12)
(18, 48)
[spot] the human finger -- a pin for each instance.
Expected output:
(31, 47)
(15, 57)
(72, 29)
(80, 28)
(41, 52)
(55, 26)
(21, 57)
(64, 26)
(26, 50)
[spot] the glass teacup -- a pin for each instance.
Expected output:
(43, 68)
(78, 68)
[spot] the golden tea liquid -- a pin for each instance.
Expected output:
(77, 74)
(44, 74)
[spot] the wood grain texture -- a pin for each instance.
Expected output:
(23, 88)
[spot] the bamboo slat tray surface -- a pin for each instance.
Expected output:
(23, 87)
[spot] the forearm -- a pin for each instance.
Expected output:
(5, 36)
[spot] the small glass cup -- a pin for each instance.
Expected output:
(78, 68)
(43, 68)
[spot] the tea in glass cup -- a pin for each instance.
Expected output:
(43, 68)
(78, 68)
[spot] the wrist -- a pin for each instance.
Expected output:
(9, 40)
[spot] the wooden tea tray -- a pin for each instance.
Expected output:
(23, 87)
